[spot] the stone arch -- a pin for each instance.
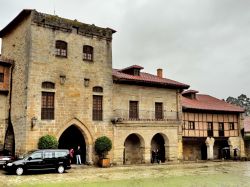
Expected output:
(159, 142)
(134, 149)
(75, 126)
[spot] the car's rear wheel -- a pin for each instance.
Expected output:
(19, 170)
(60, 169)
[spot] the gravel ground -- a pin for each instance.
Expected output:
(229, 173)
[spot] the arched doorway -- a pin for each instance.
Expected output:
(9, 142)
(71, 138)
(158, 148)
(133, 150)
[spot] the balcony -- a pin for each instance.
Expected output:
(146, 115)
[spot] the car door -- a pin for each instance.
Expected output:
(35, 161)
(49, 160)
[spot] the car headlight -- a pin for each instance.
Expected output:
(9, 164)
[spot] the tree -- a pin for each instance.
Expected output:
(102, 146)
(47, 142)
(242, 101)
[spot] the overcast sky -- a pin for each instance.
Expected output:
(203, 43)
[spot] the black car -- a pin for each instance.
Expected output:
(46, 159)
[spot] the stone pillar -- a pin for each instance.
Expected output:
(146, 155)
(118, 155)
(172, 152)
(89, 154)
(210, 148)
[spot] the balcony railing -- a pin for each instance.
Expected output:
(146, 115)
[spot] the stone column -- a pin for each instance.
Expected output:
(210, 148)
(146, 155)
(89, 154)
(118, 155)
(172, 152)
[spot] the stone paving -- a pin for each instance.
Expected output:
(87, 174)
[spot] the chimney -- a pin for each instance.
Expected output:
(159, 72)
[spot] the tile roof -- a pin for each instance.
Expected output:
(209, 103)
(146, 79)
(247, 124)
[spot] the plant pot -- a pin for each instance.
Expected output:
(104, 162)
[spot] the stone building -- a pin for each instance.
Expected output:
(247, 136)
(211, 127)
(63, 84)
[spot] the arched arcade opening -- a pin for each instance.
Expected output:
(158, 148)
(133, 150)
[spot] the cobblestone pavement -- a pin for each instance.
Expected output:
(87, 174)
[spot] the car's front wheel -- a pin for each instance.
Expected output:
(19, 170)
(60, 169)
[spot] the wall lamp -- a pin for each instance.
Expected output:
(33, 122)
(86, 82)
(62, 79)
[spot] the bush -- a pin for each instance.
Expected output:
(48, 142)
(102, 146)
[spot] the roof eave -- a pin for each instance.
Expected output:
(24, 13)
(136, 82)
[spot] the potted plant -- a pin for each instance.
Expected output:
(102, 146)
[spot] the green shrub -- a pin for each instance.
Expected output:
(48, 142)
(102, 146)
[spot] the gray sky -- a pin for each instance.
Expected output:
(203, 43)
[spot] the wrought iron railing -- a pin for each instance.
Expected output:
(146, 115)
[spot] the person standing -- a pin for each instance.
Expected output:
(78, 155)
(71, 154)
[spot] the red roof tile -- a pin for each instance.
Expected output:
(247, 124)
(209, 103)
(147, 79)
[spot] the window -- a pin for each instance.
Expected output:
(48, 85)
(97, 89)
(136, 72)
(221, 129)
(1, 77)
(191, 125)
(48, 155)
(59, 154)
(133, 110)
(231, 126)
(97, 108)
(210, 129)
(87, 53)
(47, 105)
(158, 111)
(36, 156)
(61, 48)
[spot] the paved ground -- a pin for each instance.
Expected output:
(190, 174)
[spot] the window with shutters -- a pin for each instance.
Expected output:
(48, 105)
(97, 108)
(88, 53)
(133, 110)
(61, 48)
(158, 111)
